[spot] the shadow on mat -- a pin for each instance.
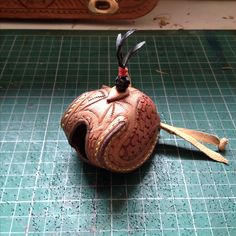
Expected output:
(178, 152)
(117, 189)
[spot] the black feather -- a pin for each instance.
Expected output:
(118, 49)
(119, 44)
(132, 52)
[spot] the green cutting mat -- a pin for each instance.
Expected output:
(46, 190)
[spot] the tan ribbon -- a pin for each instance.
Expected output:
(193, 137)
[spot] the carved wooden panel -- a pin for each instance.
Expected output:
(75, 9)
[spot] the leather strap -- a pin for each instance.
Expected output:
(193, 137)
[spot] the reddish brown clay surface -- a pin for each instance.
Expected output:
(72, 9)
(120, 135)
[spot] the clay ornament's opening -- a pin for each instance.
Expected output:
(78, 139)
(102, 5)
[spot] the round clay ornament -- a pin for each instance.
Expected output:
(117, 128)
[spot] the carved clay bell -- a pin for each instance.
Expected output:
(117, 128)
